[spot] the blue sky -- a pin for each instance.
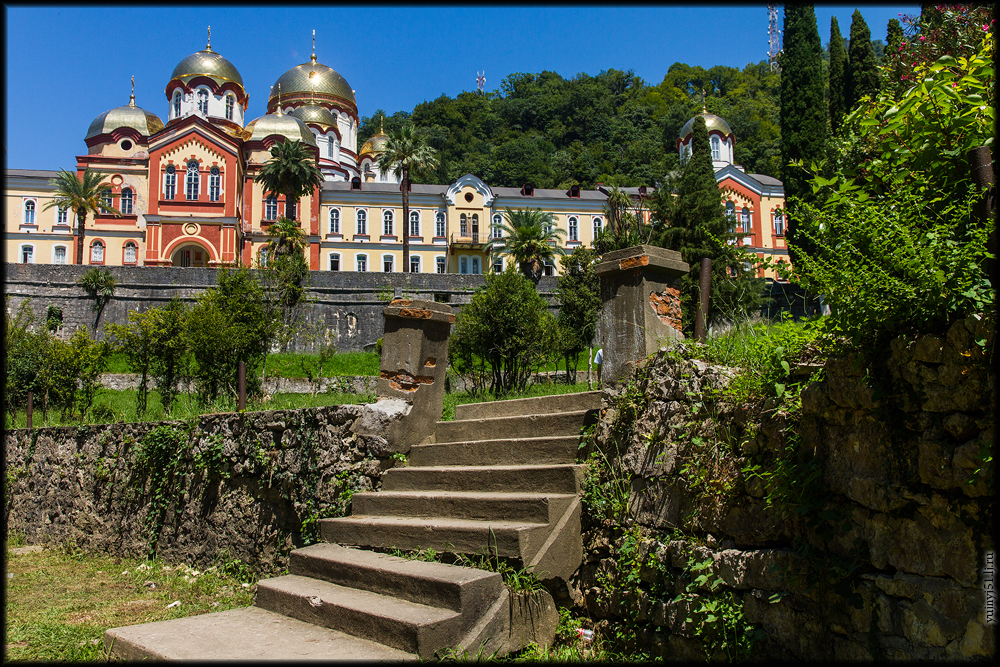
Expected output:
(66, 65)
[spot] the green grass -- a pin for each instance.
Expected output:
(113, 406)
(289, 365)
(60, 602)
(544, 389)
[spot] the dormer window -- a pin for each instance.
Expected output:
(528, 190)
(203, 101)
(574, 191)
(177, 104)
(230, 104)
(642, 189)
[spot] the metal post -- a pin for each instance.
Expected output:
(30, 410)
(704, 290)
(243, 386)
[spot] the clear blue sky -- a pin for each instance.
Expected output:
(66, 65)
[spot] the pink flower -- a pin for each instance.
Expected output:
(921, 38)
(986, 28)
(954, 85)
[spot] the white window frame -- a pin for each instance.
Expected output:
(598, 225)
(497, 265)
(192, 180)
(329, 148)
(214, 184)
(463, 225)
(62, 216)
(170, 182)
(361, 222)
(98, 243)
(497, 228)
(30, 211)
(731, 216)
(177, 104)
(55, 256)
(391, 261)
(439, 225)
(716, 148)
(230, 105)
(440, 264)
(778, 220)
(271, 208)
(30, 248)
(202, 97)
(414, 263)
(125, 247)
(573, 222)
(334, 257)
(334, 218)
(127, 201)
(361, 262)
(414, 223)
(388, 222)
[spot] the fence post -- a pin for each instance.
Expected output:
(30, 410)
(704, 294)
(243, 386)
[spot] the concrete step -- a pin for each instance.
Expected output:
(400, 624)
(434, 584)
(477, 505)
(510, 451)
(536, 426)
(244, 634)
(499, 479)
(508, 539)
(539, 405)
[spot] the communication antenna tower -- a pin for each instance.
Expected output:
(773, 37)
(481, 80)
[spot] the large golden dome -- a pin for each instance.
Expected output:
(309, 79)
(314, 114)
(282, 125)
(146, 123)
(207, 63)
(712, 121)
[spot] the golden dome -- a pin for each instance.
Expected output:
(308, 78)
(712, 121)
(207, 63)
(146, 123)
(376, 144)
(313, 114)
(282, 125)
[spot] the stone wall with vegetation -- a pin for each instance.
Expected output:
(848, 519)
(224, 487)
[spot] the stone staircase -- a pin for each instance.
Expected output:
(475, 487)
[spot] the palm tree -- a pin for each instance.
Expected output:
(530, 238)
(82, 196)
(291, 171)
(407, 154)
(287, 237)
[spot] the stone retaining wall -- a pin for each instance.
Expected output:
(878, 547)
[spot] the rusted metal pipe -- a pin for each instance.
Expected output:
(31, 406)
(704, 290)
(243, 386)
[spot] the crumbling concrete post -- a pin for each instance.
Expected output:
(411, 376)
(640, 306)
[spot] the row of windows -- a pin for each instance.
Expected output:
(388, 263)
(743, 223)
(192, 182)
(203, 103)
(130, 252)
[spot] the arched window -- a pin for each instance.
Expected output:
(27, 254)
(127, 199)
(598, 226)
(387, 263)
(230, 104)
(329, 148)
(463, 264)
(97, 252)
(262, 256)
(497, 226)
(414, 263)
(387, 223)
(746, 219)
(362, 263)
(59, 256)
(334, 220)
(170, 182)
(177, 104)
(271, 208)
(362, 224)
(203, 101)
(463, 225)
(214, 184)
(62, 216)
(439, 225)
(414, 223)
(131, 250)
(191, 187)
(779, 224)
(716, 148)
(731, 216)
(475, 227)
(335, 261)
(29, 212)
(106, 201)
(574, 228)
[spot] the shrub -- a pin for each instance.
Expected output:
(503, 335)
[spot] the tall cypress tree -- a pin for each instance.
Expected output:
(695, 224)
(893, 36)
(838, 64)
(862, 68)
(803, 108)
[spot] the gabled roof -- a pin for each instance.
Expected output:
(31, 173)
(765, 186)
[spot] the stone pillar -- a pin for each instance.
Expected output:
(640, 306)
(411, 379)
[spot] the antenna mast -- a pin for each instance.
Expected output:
(773, 37)
(481, 80)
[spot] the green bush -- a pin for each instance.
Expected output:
(503, 335)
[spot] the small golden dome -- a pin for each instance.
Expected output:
(289, 127)
(712, 121)
(313, 114)
(376, 144)
(307, 79)
(146, 123)
(207, 63)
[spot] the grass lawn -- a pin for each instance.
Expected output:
(59, 603)
(546, 389)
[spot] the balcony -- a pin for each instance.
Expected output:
(473, 241)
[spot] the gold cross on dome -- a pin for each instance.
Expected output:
(131, 101)
(209, 46)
